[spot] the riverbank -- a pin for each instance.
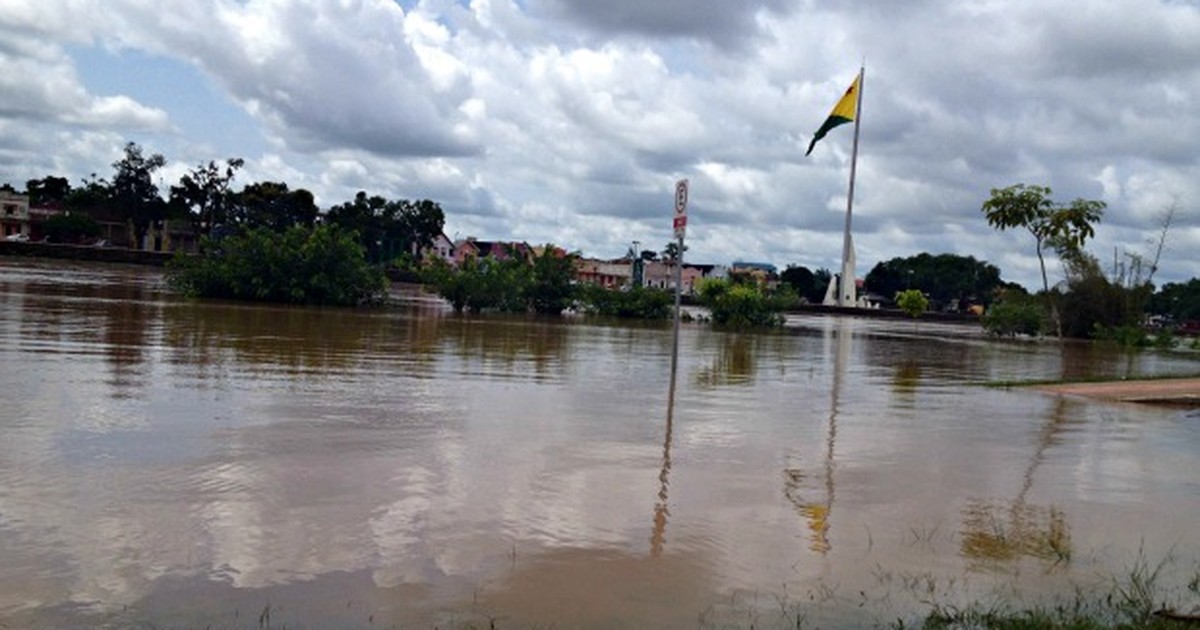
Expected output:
(62, 251)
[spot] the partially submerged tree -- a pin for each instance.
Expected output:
(913, 302)
(302, 265)
(1060, 226)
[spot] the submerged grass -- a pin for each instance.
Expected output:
(1146, 596)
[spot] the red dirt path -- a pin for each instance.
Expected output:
(1179, 391)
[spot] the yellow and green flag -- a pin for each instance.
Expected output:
(844, 112)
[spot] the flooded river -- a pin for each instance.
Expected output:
(170, 463)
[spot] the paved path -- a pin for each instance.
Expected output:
(1179, 391)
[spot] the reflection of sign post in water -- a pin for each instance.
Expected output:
(798, 491)
(659, 537)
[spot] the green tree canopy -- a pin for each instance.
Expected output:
(48, 191)
(552, 289)
(389, 228)
(302, 265)
(272, 206)
(913, 302)
(70, 228)
(206, 194)
(945, 278)
(1180, 300)
(1030, 207)
(807, 284)
(134, 195)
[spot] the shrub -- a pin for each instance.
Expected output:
(70, 228)
(739, 305)
(303, 265)
(913, 302)
(637, 302)
(1014, 315)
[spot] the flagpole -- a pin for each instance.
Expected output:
(848, 269)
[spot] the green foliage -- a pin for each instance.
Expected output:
(320, 265)
(913, 302)
(552, 289)
(1015, 313)
(1030, 207)
(93, 195)
(1179, 300)
(133, 193)
(806, 284)
(388, 228)
(271, 205)
(1124, 335)
(49, 190)
(206, 195)
(512, 284)
(1093, 306)
(944, 278)
(70, 228)
(739, 305)
(637, 302)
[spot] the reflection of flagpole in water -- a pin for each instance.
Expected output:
(658, 538)
(817, 512)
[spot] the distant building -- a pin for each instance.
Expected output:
(500, 250)
(14, 213)
(660, 274)
(610, 274)
(442, 249)
(764, 273)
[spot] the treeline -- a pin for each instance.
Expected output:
(266, 241)
(206, 198)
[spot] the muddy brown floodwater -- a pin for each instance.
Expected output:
(169, 463)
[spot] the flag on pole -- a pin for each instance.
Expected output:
(844, 112)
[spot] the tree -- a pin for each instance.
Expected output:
(272, 206)
(1095, 306)
(1180, 300)
(483, 284)
(70, 228)
(913, 302)
(1030, 207)
(302, 265)
(389, 228)
(553, 287)
(1065, 227)
(944, 278)
(205, 192)
(134, 194)
(671, 252)
(414, 224)
(738, 305)
(93, 195)
(805, 282)
(48, 191)
(1013, 313)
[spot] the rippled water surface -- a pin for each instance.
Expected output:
(185, 464)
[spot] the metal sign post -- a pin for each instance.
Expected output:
(680, 225)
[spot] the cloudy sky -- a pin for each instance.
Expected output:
(568, 121)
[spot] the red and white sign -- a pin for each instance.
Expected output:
(681, 199)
